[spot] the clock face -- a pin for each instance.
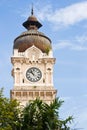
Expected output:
(33, 74)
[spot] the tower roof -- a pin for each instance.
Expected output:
(32, 22)
(32, 36)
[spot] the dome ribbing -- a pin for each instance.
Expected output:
(32, 36)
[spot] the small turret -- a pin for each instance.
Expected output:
(32, 22)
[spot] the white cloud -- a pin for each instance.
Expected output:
(69, 15)
(66, 98)
(82, 117)
(62, 45)
(77, 107)
(85, 95)
(82, 39)
(45, 13)
(79, 44)
(66, 16)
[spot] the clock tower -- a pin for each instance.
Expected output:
(33, 64)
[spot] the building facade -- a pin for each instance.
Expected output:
(33, 64)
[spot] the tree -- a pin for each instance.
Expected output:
(38, 115)
(9, 113)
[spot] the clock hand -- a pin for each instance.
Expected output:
(32, 72)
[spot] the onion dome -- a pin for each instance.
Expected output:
(32, 36)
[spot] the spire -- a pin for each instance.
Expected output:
(32, 11)
(32, 22)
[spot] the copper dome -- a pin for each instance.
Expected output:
(32, 36)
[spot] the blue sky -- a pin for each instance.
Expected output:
(65, 22)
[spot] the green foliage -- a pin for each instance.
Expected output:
(47, 50)
(9, 113)
(38, 115)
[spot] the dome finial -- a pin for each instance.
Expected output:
(32, 11)
(32, 22)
